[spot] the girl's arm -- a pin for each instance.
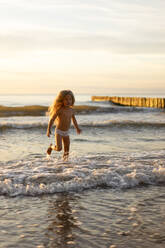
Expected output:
(75, 124)
(51, 121)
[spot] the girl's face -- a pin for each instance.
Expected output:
(68, 101)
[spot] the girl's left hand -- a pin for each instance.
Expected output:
(48, 133)
(79, 130)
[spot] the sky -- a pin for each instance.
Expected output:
(89, 46)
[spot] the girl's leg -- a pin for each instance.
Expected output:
(58, 146)
(66, 142)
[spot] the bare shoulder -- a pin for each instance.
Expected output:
(59, 111)
(73, 112)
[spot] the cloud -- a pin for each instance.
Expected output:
(113, 26)
(40, 40)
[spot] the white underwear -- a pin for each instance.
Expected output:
(62, 133)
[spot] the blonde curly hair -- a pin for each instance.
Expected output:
(58, 102)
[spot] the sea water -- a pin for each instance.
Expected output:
(110, 193)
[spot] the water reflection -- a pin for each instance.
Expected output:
(62, 221)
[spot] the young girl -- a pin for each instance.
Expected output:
(61, 112)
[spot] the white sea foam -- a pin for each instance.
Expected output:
(43, 176)
(42, 122)
(23, 122)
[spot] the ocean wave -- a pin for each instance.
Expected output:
(22, 125)
(38, 110)
(34, 110)
(9, 124)
(42, 176)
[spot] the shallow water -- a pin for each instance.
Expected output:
(93, 218)
(110, 192)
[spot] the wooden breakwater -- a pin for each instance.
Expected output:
(133, 101)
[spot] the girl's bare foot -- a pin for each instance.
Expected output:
(49, 150)
(66, 156)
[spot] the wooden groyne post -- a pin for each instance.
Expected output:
(133, 101)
